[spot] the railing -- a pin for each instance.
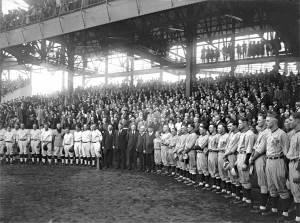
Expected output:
(36, 15)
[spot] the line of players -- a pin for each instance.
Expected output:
(213, 160)
(223, 162)
(48, 145)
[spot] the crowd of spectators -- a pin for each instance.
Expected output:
(228, 97)
(41, 10)
(8, 86)
(251, 50)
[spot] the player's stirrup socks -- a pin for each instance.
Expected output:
(238, 191)
(66, 160)
(21, 158)
(89, 161)
(25, 157)
(62, 159)
(11, 158)
(263, 201)
(81, 160)
(297, 219)
(285, 207)
(85, 160)
(93, 161)
(49, 159)
(71, 160)
(76, 160)
(55, 159)
(44, 159)
(32, 158)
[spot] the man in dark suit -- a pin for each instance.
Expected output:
(132, 138)
(149, 149)
(108, 143)
(120, 147)
(140, 149)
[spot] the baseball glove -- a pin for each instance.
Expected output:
(175, 156)
(5, 149)
(71, 149)
(226, 165)
(45, 147)
(298, 166)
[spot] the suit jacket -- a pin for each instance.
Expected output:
(149, 145)
(132, 140)
(140, 143)
(120, 139)
(108, 140)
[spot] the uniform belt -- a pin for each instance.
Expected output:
(9, 141)
(95, 142)
(214, 151)
(221, 151)
(46, 141)
(294, 160)
(85, 142)
(1, 140)
(34, 140)
(199, 151)
(242, 152)
(67, 144)
(77, 141)
(22, 139)
(274, 157)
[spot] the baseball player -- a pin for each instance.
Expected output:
(189, 149)
(172, 144)
(230, 155)
(96, 144)
(35, 137)
(201, 148)
(213, 140)
(277, 146)
(223, 139)
(86, 138)
(245, 148)
(182, 164)
(78, 145)
(58, 136)
(46, 139)
(68, 143)
(10, 140)
(258, 158)
(294, 155)
(22, 140)
(165, 137)
(175, 154)
(157, 152)
(2, 142)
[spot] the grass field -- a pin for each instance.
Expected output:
(80, 194)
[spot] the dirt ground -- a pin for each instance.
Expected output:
(80, 194)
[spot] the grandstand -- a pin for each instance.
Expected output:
(154, 64)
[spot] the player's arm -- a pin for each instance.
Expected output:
(249, 148)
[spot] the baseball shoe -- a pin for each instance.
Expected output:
(269, 213)
(237, 201)
(285, 219)
(191, 183)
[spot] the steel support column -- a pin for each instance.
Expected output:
(1, 69)
(130, 65)
(106, 69)
(232, 51)
(161, 74)
(191, 44)
(43, 50)
(71, 58)
(84, 62)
